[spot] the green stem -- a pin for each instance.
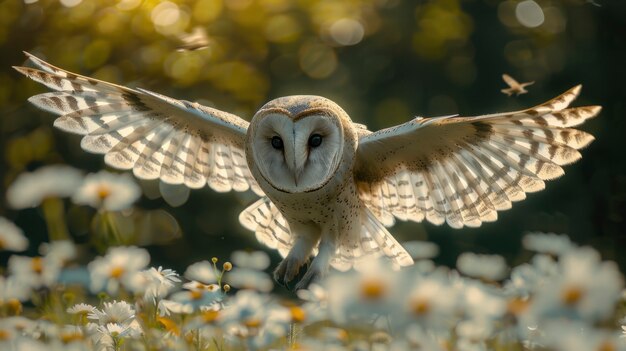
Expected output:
(109, 221)
(54, 214)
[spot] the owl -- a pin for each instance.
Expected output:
(328, 187)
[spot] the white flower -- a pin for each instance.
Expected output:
(528, 277)
(158, 282)
(34, 271)
(11, 236)
(108, 191)
(248, 278)
(13, 289)
(420, 250)
(61, 251)
(490, 267)
(480, 302)
(357, 296)
(564, 336)
(119, 312)
(30, 189)
(121, 265)
(431, 301)
(548, 243)
(255, 317)
(202, 271)
(167, 307)
(81, 308)
(257, 260)
(584, 288)
(198, 295)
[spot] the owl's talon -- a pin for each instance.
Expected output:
(288, 270)
(311, 275)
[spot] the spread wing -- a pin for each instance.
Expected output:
(158, 137)
(462, 170)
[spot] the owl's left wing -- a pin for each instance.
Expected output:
(462, 170)
(176, 141)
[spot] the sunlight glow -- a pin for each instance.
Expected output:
(529, 14)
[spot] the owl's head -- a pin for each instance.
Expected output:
(297, 142)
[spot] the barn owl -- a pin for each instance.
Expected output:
(328, 187)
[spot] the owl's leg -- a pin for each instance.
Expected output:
(320, 264)
(288, 269)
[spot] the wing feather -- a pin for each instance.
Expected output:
(158, 137)
(462, 170)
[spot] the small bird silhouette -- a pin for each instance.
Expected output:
(196, 40)
(514, 86)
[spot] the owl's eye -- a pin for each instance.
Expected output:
(277, 143)
(315, 140)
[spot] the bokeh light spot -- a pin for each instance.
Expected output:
(282, 29)
(165, 14)
(317, 60)
(70, 3)
(529, 14)
(347, 31)
(127, 5)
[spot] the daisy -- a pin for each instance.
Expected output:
(13, 289)
(257, 260)
(198, 295)
(11, 237)
(118, 312)
(34, 272)
(61, 251)
(585, 287)
(489, 267)
(107, 191)
(431, 301)
(158, 282)
(202, 271)
(248, 278)
(81, 308)
(548, 243)
(121, 266)
(30, 189)
(255, 318)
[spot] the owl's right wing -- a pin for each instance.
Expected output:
(462, 170)
(158, 137)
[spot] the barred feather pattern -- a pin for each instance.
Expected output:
(271, 229)
(463, 170)
(158, 137)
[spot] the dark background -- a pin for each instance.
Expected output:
(422, 58)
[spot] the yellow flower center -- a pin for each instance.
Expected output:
(297, 314)
(2, 244)
(37, 265)
(4, 335)
(572, 295)
(372, 289)
(420, 307)
(169, 325)
(210, 316)
(516, 306)
(252, 323)
(195, 294)
(14, 307)
(607, 346)
(67, 338)
(117, 272)
(103, 192)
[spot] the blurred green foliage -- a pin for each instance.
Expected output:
(384, 61)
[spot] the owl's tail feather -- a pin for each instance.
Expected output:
(373, 242)
(268, 224)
